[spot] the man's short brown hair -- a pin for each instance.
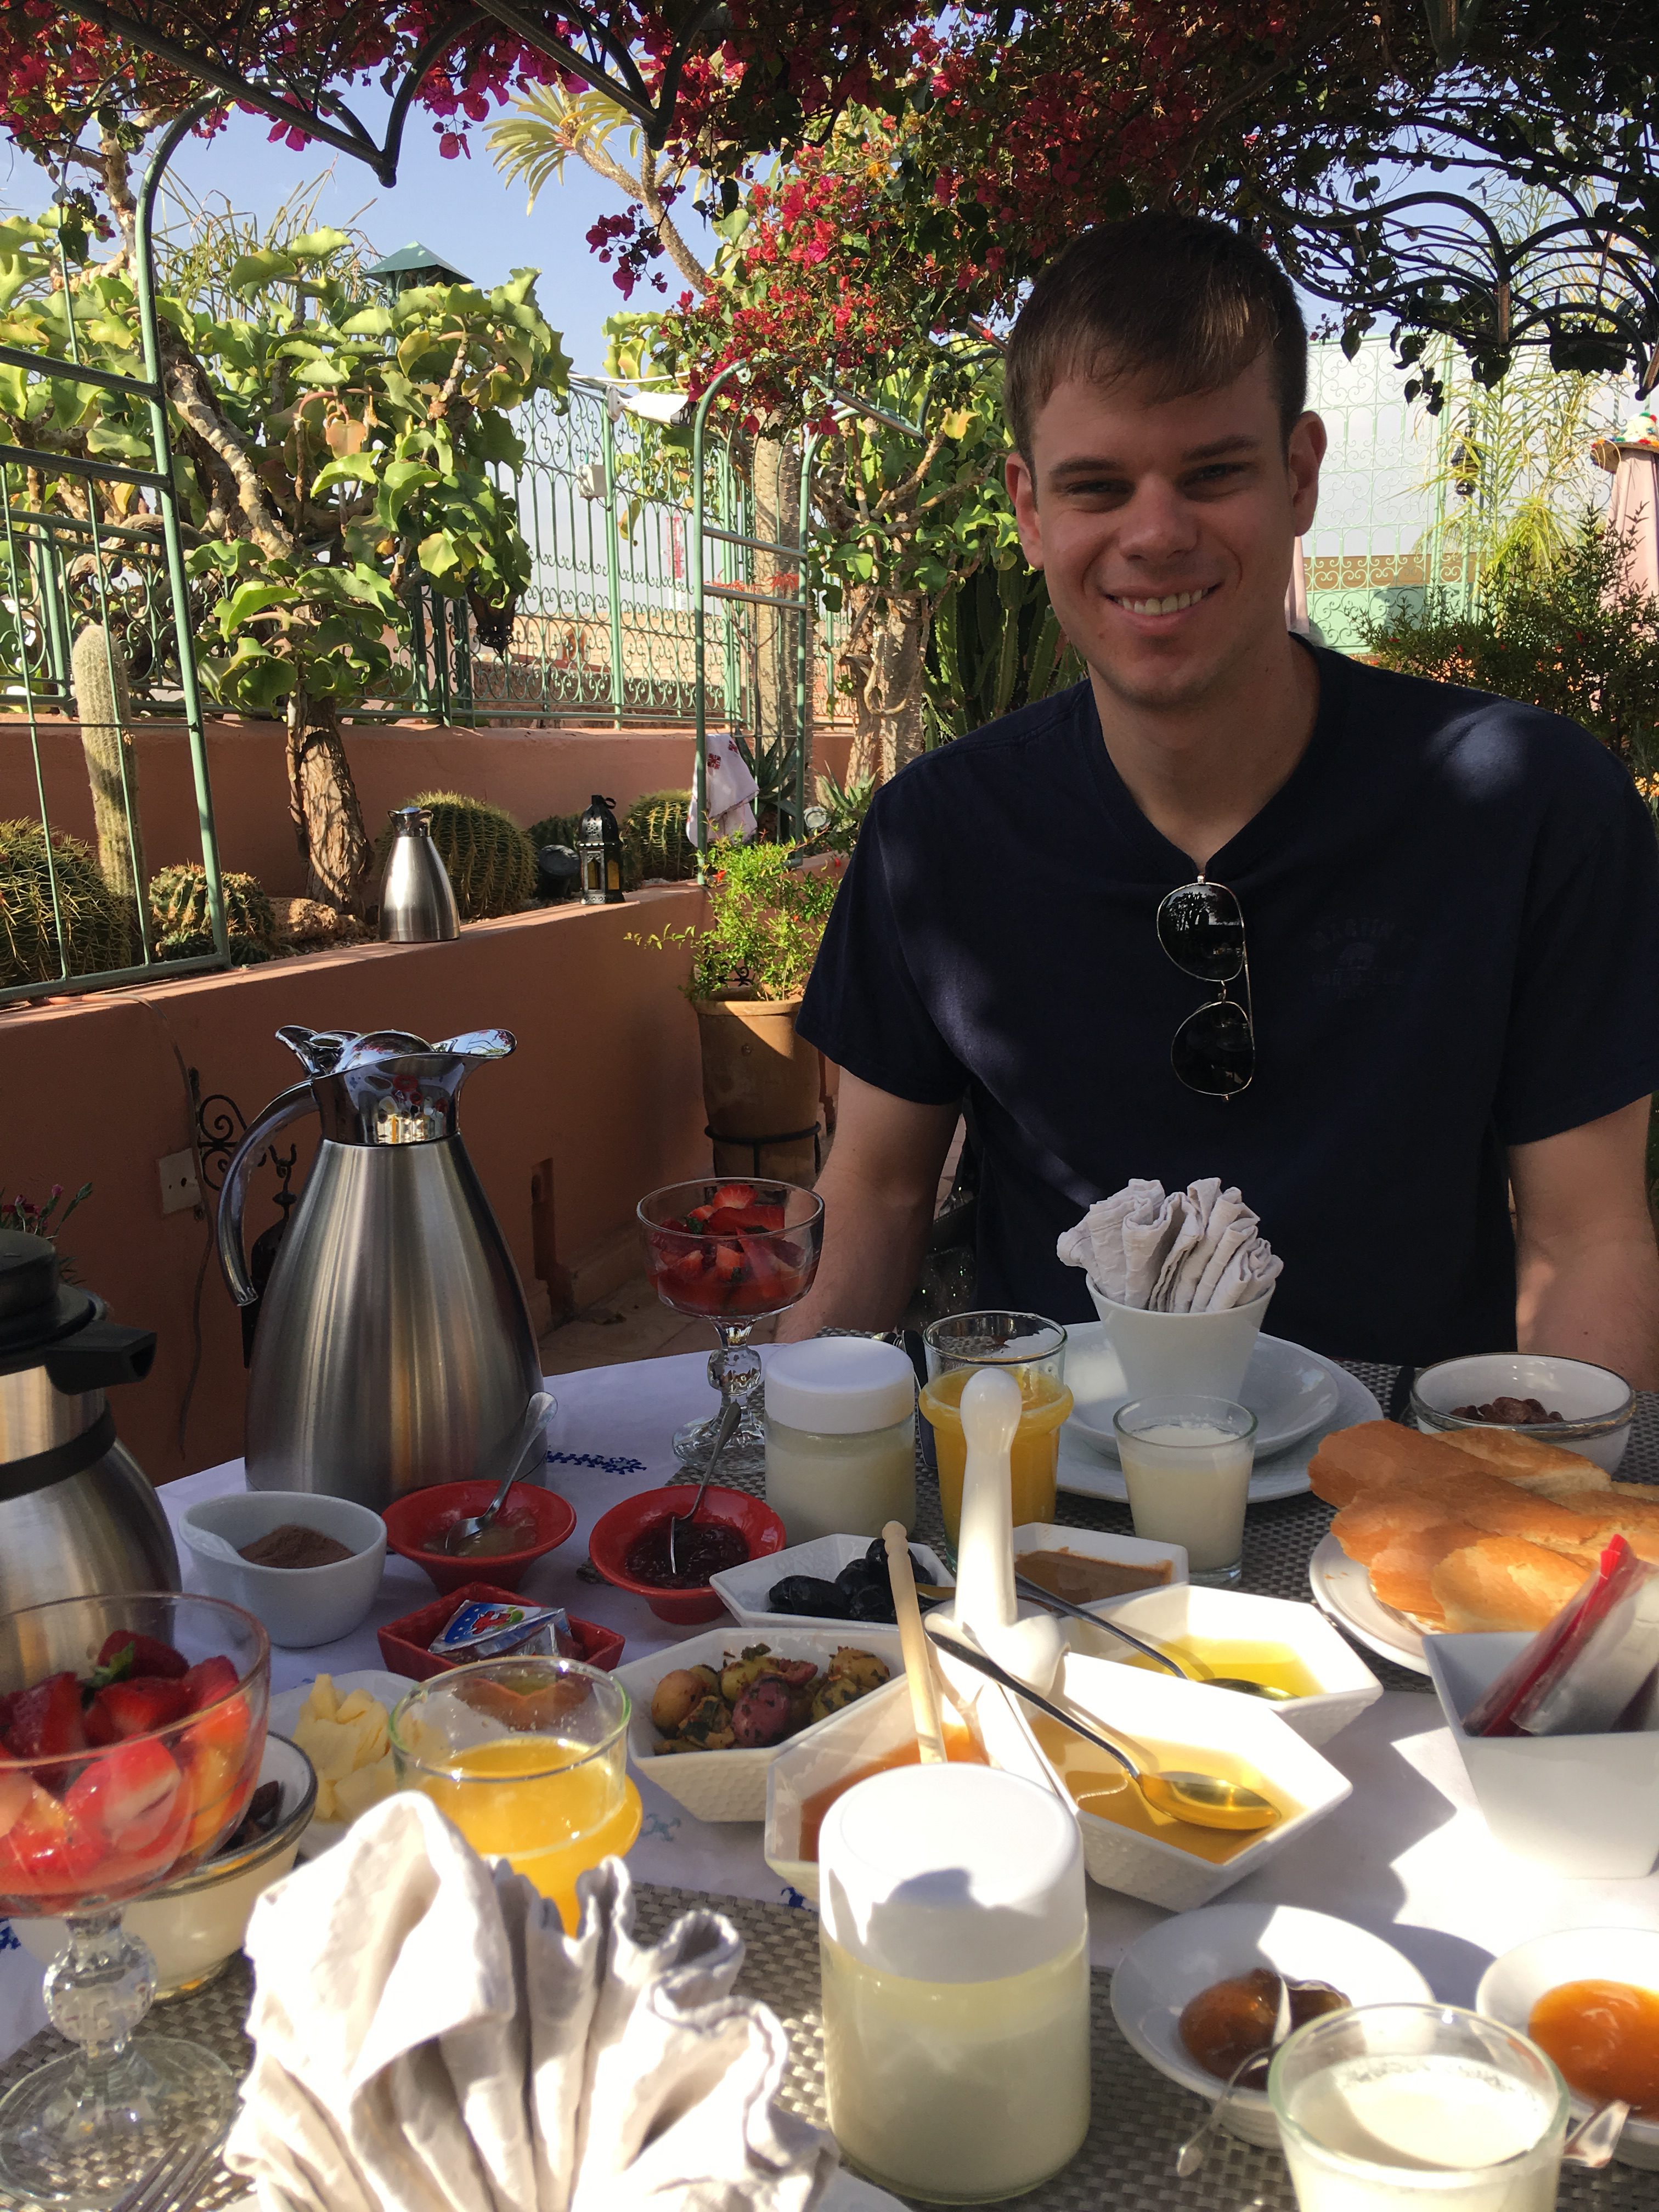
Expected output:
(1184, 302)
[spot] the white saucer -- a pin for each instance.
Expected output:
(1160, 1973)
(1092, 1471)
(1342, 1591)
(1289, 1390)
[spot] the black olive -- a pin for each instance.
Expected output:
(876, 1557)
(858, 1574)
(874, 1602)
(808, 1594)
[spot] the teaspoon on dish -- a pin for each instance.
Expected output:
(1041, 1597)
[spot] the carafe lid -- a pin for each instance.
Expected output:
(839, 1386)
(35, 1307)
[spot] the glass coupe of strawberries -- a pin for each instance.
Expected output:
(731, 1253)
(131, 1730)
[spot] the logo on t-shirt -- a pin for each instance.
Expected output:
(1356, 958)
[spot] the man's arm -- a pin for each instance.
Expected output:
(1587, 1265)
(879, 1191)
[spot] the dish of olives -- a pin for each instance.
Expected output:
(862, 1591)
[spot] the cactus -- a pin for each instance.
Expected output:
(491, 862)
(97, 924)
(98, 674)
(178, 909)
(655, 837)
(553, 829)
(198, 944)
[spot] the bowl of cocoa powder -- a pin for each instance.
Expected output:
(309, 1567)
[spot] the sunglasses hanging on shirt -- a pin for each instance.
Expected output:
(1201, 929)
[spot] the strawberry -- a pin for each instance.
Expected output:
(45, 1720)
(135, 1707)
(726, 1220)
(697, 1218)
(149, 1655)
(226, 1721)
(729, 1262)
(34, 1849)
(766, 1217)
(130, 1798)
(739, 1195)
(209, 1681)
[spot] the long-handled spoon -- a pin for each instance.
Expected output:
(1594, 2141)
(1042, 1596)
(530, 1440)
(1192, 2152)
(1203, 1799)
(913, 1643)
(730, 1414)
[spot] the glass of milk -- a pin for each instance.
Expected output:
(1187, 1463)
(1418, 2108)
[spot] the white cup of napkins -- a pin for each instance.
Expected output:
(1181, 1281)
(427, 2039)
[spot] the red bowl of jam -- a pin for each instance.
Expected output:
(532, 1522)
(629, 1546)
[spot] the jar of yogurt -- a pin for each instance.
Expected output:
(840, 1436)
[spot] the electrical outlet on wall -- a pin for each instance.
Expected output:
(179, 1188)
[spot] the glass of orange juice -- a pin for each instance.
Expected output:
(529, 1759)
(1033, 1351)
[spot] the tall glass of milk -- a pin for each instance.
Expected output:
(1186, 1464)
(1418, 2108)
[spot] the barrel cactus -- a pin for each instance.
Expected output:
(490, 861)
(179, 910)
(553, 829)
(654, 836)
(98, 926)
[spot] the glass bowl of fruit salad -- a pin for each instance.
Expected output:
(131, 1730)
(730, 1254)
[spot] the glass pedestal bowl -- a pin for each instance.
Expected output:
(730, 1254)
(102, 1800)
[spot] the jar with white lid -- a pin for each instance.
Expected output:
(840, 1436)
(954, 1951)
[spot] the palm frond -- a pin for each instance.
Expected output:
(546, 126)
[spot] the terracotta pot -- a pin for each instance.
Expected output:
(760, 1086)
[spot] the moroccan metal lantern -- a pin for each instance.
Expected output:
(599, 854)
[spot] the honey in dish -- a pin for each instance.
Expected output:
(1275, 1666)
(1098, 1785)
(1604, 2036)
(961, 1746)
(1075, 1575)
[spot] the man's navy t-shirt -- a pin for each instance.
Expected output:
(1452, 908)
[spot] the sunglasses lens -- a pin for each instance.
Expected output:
(1214, 1050)
(1201, 929)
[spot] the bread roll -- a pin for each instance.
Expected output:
(1402, 1572)
(1503, 1582)
(1371, 1524)
(1635, 1519)
(1545, 1469)
(1374, 1453)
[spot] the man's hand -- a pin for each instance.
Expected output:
(879, 1191)
(1587, 1265)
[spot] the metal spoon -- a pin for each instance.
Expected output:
(1036, 1592)
(1594, 2141)
(1205, 1800)
(730, 1414)
(532, 1436)
(1192, 2152)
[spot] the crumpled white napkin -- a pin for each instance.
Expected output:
(427, 2040)
(730, 791)
(1200, 1250)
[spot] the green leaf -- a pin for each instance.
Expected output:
(348, 468)
(250, 272)
(437, 555)
(248, 600)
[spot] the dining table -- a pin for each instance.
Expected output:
(1406, 1854)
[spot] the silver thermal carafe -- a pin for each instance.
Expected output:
(77, 1516)
(417, 900)
(393, 1347)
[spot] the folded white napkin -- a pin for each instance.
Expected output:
(427, 2040)
(1200, 1250)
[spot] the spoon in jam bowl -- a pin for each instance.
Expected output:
(1042, 1596)
(1204, 1799)
(463, 1536)
(730, 1414)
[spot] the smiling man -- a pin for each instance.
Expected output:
(1383, 952)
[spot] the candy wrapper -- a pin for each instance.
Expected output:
(1595, 1670)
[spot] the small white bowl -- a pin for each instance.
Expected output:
(731, 1785)
(1581, 1805)
(744, 1589)
(1512, 1985)
(1160, 1974)
(1098, 1544)
(1597, 1404)
(1137, 1706)
(1346, 1685)
(1166, 1353)
(196, 1924)
(299, 1605)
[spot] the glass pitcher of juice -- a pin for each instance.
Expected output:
(1033, 1351)
(529, 1759)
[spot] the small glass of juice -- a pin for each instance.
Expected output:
(1187, 1466)
(529, 1759)
(1033, 1351)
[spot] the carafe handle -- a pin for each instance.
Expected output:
(232, 1258)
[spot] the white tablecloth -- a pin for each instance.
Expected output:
(1408, 1855)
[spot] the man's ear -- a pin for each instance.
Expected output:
(1022, 490)
(1305, 449)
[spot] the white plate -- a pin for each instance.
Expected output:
(1512, 1985)
(1289, 1390)
(285, 1710)
(1160, 1974)
(846, 2192)
(1342, 1591)
(1092, 1472)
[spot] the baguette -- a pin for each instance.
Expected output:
(1402, 1573)
(1547, 1470)
(1378, 1452)
(1379, 1460)
(1370, 1525)
(1636, 1519)
(1503, 1583)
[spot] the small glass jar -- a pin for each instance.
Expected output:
(954, 1953)
(840, 1436)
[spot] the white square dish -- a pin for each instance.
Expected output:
(731, 1785)
(1346, 1685)
(743, 1590)
(1100, 1543)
